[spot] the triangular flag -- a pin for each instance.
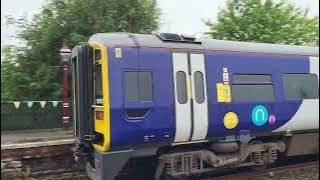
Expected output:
(55, 103)
(16, 104)
(29, 104)
(42, 104)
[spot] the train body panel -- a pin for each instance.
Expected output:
(136, 119)
(262, 64)
(160, 122)
(204, 97)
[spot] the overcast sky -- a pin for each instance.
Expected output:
(178, 16)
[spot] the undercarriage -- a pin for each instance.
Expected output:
(187, 163)
(197, 159)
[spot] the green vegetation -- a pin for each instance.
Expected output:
(33, 77)
(9, 72)
(265, 21)
(27, 73)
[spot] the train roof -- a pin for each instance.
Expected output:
(157, 41)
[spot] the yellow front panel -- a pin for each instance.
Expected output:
(103, 126)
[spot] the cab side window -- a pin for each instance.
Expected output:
(301, 86)
(138, 86)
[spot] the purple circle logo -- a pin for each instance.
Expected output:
(272, 119)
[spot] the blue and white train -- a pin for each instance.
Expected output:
(192, 105)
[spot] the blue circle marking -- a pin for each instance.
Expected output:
(259, 115)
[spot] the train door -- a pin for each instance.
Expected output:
(191, 110)
(81, 67)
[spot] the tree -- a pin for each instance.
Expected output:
(8, 67)
(73, 21)
(265, 21)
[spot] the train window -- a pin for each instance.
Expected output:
(145, 84)
(251, 79)
(252, 92)
(252, 87)
(97, 54)
(74, 95)
(138, 86)
(98, 84)
(199, 87)
(301, 86)
(131, 81)
(181, 80)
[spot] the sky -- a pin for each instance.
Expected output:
(177, 16)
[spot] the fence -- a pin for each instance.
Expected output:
(31, 115)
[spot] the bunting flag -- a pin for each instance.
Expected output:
(55, 103)
(42, 103)
(29, 104)
(16, 104)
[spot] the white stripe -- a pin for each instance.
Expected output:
(307, 117)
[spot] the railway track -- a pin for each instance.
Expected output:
(308, 170)
(295, 168)
(301, 171)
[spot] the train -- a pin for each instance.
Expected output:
(190, 105)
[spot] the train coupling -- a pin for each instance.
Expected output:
(77, 155)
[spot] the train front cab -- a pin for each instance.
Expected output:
(91, 108)
(90, 105)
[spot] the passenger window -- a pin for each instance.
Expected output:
(181, 80)
(301, 86)
(251, 79)
(138, 86)
(199, 87)
(252, 87)
(252, 92)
